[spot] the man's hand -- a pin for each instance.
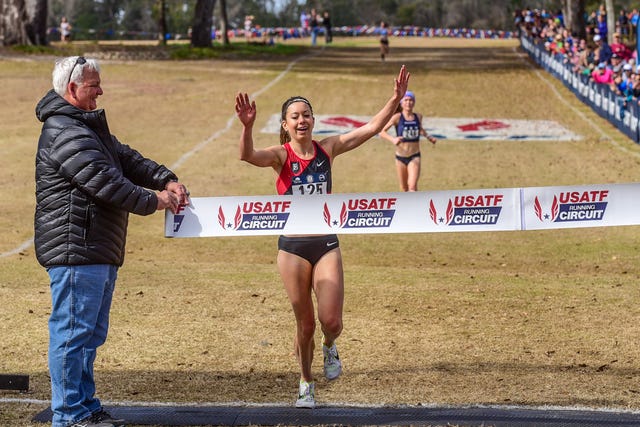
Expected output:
(179, 190)
(168, 200)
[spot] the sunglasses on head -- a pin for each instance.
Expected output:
(80, 60)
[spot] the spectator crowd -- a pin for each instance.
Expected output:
(615, 65)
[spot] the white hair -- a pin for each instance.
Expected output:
(69, 70)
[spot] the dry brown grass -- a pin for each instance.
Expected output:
(531, 318)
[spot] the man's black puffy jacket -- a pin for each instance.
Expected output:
(87, 182)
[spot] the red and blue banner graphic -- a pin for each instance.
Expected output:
(468, 210)
(507, 209)
(586, 206)
(254, 215)
(363, 213)
(448, 128)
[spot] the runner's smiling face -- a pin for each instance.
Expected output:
(299, 120)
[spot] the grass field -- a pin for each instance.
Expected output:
(526, 318)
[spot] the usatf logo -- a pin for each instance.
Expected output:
(257, 216)
(177, 219)
(363, 213)
(574, 206)
(469, 210)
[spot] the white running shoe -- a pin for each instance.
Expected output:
(332, 364)
(306, 395)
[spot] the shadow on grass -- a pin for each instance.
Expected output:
(398, 386)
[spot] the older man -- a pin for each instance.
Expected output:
(87, 183)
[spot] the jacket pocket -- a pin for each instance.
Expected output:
(89, 222)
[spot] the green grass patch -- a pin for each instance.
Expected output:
(175, 51)
(236, 50)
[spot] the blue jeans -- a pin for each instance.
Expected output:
(81, 299)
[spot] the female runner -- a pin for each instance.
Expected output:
(408, 125)
(310, 263)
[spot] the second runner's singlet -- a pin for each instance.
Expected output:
(409, 130)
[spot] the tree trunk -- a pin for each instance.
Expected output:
(202, 23)
(574, 17)
(162, 37)
(13, 22)
(225, 22)
(37, 21)
(23, 22)
(611, 20)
